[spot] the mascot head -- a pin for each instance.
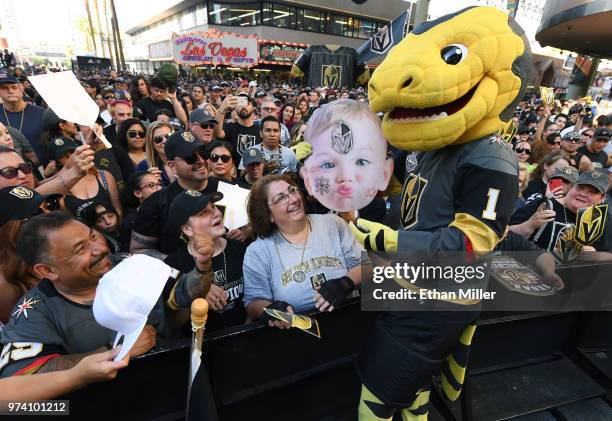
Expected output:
(452, 80)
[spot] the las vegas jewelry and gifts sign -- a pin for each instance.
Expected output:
(215, 48)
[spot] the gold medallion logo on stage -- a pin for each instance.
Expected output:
(331, 75)
(411, 197)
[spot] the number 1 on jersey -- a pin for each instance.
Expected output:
(489, 212)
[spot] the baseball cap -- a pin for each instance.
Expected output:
(251, 100)
(90, 214)
(126, 295)
(200, 116)
(252, 155)
(597, 179)
(260, 94)
(216, 88)
(60, 146)
(567, 173)
(7, 78)
(569, 134)
(224, 83)
(189, 203)
(182, 144)
(20, 203)
(50, 119)
(602, 133)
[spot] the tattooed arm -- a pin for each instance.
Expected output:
(64, 362)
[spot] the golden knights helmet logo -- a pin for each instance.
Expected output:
(22, 193)
(411, 196)
(590, 224)
(331, 75)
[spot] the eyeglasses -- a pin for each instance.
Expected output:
(159, 139)
(269, 109)
(224, 158)
(136, 133)
(283, 198)
(523, 150)
(202, 153)
(151, 185)
(108, 97)
(11, 172)
(207, 125)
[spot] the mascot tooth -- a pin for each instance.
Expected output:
(445, 90)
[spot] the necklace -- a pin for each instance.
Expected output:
(303, 247)
(9, 121)
(191, 251)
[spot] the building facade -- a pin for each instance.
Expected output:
(283, 27)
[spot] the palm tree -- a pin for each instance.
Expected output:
(91, 28)
(108, 36)
(100, 34)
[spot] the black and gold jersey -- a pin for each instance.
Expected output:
(332, 68)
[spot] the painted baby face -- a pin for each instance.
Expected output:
(348, 165)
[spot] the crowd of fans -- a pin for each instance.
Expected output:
(72, 208)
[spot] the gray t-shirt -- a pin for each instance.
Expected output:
(274, 270)
(287, 158)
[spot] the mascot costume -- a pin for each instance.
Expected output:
(445, 90)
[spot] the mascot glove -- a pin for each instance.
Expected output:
(375, 236)
(302, 151)
(335, 291)
(276, 305)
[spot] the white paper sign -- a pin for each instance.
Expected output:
(234, 200)
(64, 94)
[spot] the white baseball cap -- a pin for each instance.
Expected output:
(126, 295)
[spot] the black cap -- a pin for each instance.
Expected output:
(182, 144)
(20, 202)
(50, 119)
(567, 173)
(60, 146)
(260, 94)
(224, 83)
(597, 179)
(523, 130)
(252, 155)
(189, 203)
(602, 133)
(90, 214)
(215, 88)
(7, 78)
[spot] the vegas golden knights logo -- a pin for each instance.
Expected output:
(590, 223)
(331, 75)
(411, 197)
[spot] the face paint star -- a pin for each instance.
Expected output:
(24, 306)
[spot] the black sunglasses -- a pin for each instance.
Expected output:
(224, 158)
(554, 142)
(136, 133)
(523, 150)
(109, 97)
(207, 125)
(11, 172)
(201, 152)
(160, 139)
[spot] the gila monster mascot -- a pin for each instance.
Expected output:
(445, 90)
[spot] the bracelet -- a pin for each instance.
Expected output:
(202, 272)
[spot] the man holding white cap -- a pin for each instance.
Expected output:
(53, 326)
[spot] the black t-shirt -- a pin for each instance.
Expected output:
(537, 185)
(557, 236)
(241, 137)
(227, 274)
(118, 163)
(110, 132)
(600, 156)
(153, 214)
(147, 108)
(242, 182)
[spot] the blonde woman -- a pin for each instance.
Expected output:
(157, 136)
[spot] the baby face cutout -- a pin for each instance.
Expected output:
(348, 165)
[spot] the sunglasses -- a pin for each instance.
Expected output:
(554, 142)
(269, 109)
(11, 172)
(109, 97)
(207, 125)
(523, 150)
(160, 139)
(224, 158)
(136, 133)
(151, 185)
(202, 153)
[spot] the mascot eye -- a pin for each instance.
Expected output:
(454, 53)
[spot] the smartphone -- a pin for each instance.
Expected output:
(241, 101)
(275, 158)
(555, 183)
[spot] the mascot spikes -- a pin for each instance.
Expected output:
(445, 90)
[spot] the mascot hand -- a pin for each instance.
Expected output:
(336, 290)
(375, 236)
(302, 150)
